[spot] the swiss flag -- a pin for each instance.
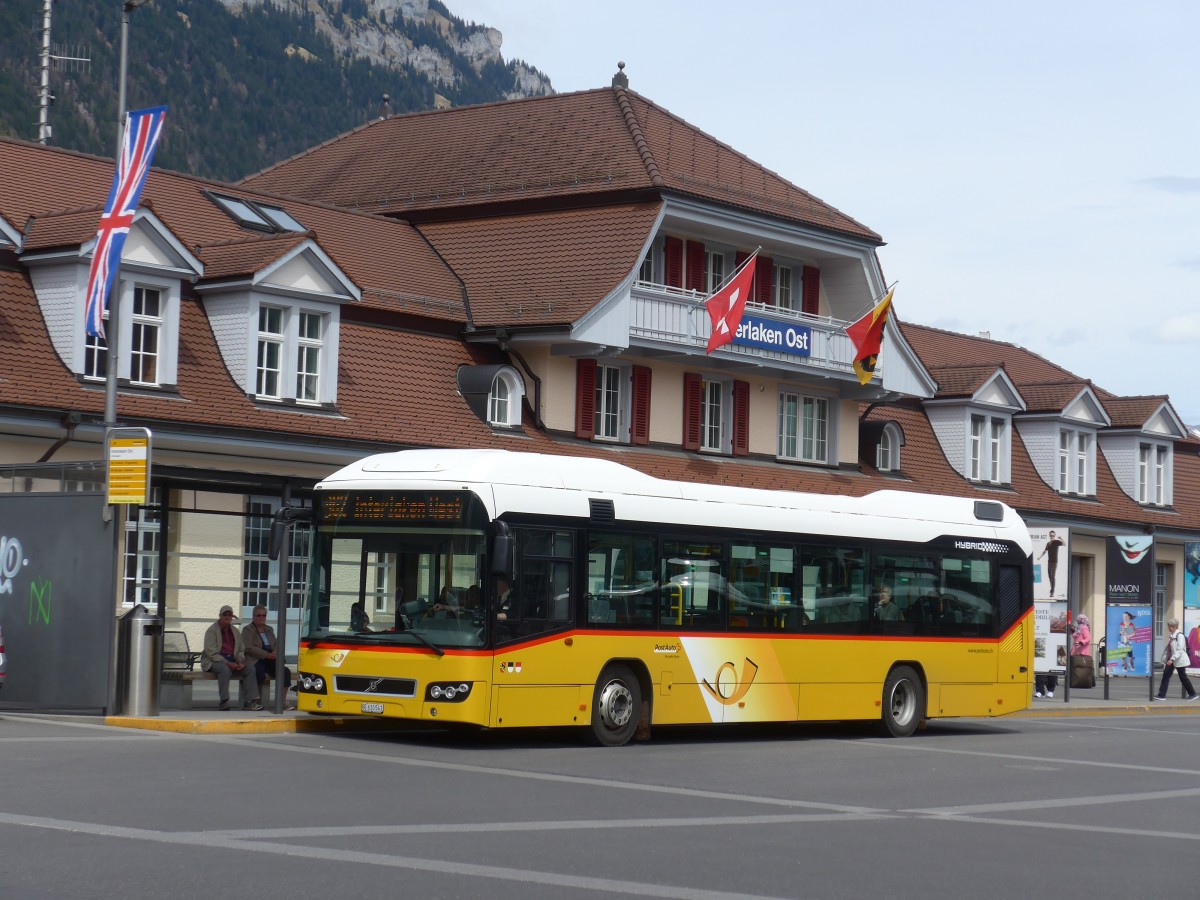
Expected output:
(726, 306)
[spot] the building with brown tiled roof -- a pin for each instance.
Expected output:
(529, 275)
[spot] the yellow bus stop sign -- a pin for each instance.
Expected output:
(127, 451)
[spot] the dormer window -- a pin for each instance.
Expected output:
(988, 460)
(1076, 462)
(289, 359)
(504, 399)
(150, 316)
(887, 451)
(1153, 474)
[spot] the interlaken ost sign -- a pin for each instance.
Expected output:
(770, 335)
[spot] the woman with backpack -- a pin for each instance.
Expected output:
(1175, 658)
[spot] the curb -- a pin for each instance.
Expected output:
(1154, 709)
(244, 725)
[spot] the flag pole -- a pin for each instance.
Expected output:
(113, 332)
(875, 302)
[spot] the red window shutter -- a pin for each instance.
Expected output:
(764, 280)
(811, 290)
(585, 399)
(741, 418)
(693, 392)
(639, 430)
(673, 262)
(695, 266)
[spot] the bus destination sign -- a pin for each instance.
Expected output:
(386, 507)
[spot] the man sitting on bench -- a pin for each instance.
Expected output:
(225, 656)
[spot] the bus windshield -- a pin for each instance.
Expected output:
(398, 583)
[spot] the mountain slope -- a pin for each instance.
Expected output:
(248, 82)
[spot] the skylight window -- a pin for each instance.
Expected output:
(280, 217)
(258, 216)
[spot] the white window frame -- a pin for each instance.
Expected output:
(93, 359)
(95, 355)
(144, 325)
(988, 439)
(1154, 474)
(309, 350)
(294, 351)
(612, 403)
(143, 532)
(805, 427)
(270, 340)
(260, 575)
(649, 268)
(504, 399)
(887, 452)
(1076, 461)
(784, 293)
(714, 269)
(716, 408)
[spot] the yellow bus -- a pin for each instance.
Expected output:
(505, 590)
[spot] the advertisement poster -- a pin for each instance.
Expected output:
(1130, 640)
(1129, 575)
(1051, 562)
(1191, 576)
(1191, 630)
(1050, 638)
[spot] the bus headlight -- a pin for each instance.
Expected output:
(312, 684)
(450, 692)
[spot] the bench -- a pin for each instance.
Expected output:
(175, 689)
(179, 673)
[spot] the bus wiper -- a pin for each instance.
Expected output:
(428, 643)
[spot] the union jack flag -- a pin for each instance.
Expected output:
(142, 128)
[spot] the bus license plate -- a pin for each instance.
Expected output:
(372, 707)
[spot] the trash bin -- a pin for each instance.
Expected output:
(139, 662)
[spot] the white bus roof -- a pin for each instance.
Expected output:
(543, 484)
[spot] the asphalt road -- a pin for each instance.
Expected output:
(1106, 806)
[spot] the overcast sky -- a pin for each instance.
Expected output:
(1034, 167)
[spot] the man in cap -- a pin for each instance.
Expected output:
(225, 655)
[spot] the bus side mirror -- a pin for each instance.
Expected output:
(502, 554)
(278, 532)
(285, 516)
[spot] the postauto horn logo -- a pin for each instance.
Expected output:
(727, 686)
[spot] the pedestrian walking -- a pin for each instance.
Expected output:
(1175, 658)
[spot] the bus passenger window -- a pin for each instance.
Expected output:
(761, 593)
(694, 586)
(834, 594)
(621, 586)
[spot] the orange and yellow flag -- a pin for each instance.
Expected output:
(867, 335)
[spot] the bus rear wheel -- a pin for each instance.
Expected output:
(616, 707)
(903, 702)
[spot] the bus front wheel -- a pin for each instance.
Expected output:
(616, 706)
(903, 702)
